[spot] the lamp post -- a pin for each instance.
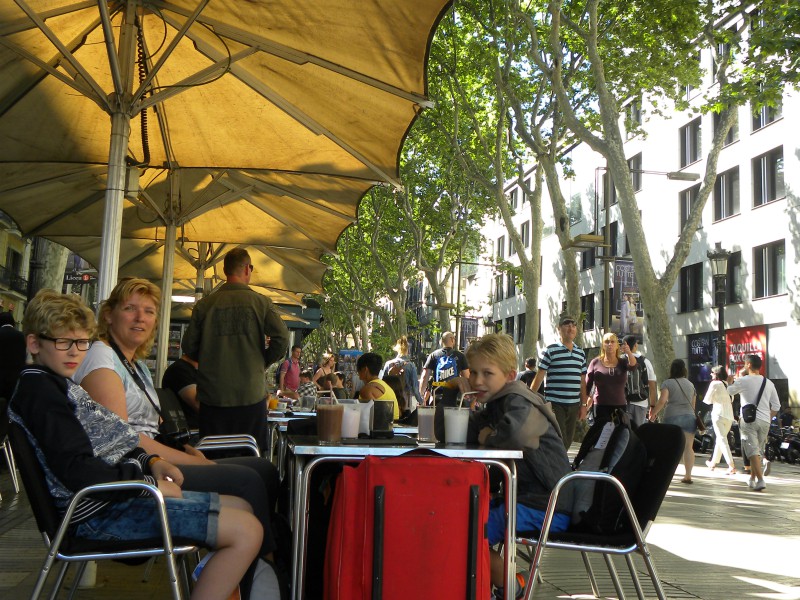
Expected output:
(718, 258)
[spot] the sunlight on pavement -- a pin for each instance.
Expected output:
(769, 554)
(782, 592)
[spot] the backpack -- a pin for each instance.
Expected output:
(608, 447)
(278, 373)
(637, 386)
(397, 368)
(447, 366)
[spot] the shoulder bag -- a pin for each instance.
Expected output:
(749, 410)
(169, 432)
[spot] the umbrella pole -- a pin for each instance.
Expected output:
(122, 71)
(166, 301)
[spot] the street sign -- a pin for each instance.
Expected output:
(75, 277)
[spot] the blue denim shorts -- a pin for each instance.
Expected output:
(528, 519)
(194, 517)
(687, 423)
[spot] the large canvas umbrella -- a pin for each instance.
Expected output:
(286, 104)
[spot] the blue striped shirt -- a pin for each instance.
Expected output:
(564, 369)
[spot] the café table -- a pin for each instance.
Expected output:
(306, 453)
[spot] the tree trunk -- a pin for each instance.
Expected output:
(47, 266)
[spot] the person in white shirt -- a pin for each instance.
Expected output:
(639, 403)
(754, 435)
(721, 418)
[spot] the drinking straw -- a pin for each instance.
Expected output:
(464, 395)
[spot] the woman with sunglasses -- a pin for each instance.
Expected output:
(607, 374)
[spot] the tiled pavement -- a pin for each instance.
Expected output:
(714, 540)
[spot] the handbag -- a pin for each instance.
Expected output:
(701, 426)
(749, 410)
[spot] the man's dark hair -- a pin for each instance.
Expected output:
(631, 340)
(235, 260)
(306, 373)
(755, 361)
(373, 362)
(530, 362)
(296, 348)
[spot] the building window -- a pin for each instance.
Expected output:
(635, 167)
(501, 247)
(498, 288)
(511, 248)
(633, 114)
(525, 233)
(768, 177)
(511, 287)
(691, 282)
(690, 142)
(525, 193)
(509, 327)
(726, 194)
(687, 200)
(521, 328)
(766, 115)
(613, 234)
(514, 198)
(733, 282)
(609, 189)
(587, 308)
(588, 258)
(770, 269)
(733, 132)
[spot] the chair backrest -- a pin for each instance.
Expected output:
(172, 409)
(664, 445)
(3, 418)
(33, 478)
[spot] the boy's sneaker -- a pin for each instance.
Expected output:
(760, 485)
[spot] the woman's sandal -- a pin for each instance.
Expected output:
(731, 472)
(684, 480)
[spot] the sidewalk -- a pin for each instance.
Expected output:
(714, 540)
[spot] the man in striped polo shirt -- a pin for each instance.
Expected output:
(564, 364)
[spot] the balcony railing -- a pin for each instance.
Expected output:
(12, 281)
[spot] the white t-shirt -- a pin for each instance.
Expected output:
(747, 387)
(141, 414)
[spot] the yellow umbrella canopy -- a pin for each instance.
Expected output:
(235, 122)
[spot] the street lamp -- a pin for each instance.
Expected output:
(718, 258)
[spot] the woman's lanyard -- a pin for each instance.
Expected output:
(134, 374)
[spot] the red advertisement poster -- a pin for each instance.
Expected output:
(744, 341)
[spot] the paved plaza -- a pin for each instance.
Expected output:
(714, 540)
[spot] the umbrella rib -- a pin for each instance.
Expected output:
(200, 199)
(142, 255)
(299, 228)
(77, 174)
(220, 200)
(169, 50)
(299, 57)
(317, 128)
(286, 265)
(50, 35)
(12, 98)
(20, 25)
(75, 208)
(275, 189)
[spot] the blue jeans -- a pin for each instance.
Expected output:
(193, 518)
(528, 519)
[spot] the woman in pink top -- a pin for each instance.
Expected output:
(607, 375)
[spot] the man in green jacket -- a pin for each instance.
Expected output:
(227, 336)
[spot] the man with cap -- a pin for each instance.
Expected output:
(564, 365)
(639, 392)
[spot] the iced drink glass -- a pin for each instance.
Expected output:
(455, 424)
(425, 416)
(329, 423)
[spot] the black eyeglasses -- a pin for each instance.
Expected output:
(66, 343)
(568, 323)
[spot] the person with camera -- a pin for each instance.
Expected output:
(115, 376)
(759, 403)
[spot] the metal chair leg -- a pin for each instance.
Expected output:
(634, 577)
(590, 574)
(612, 571)
(78, 575)
(148, 569)
(12, 466)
